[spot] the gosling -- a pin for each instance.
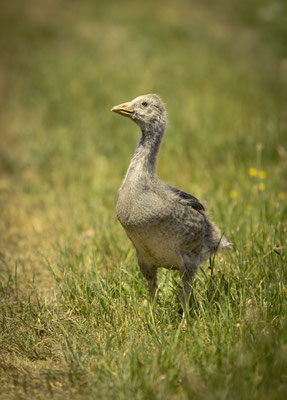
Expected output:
(168, 227)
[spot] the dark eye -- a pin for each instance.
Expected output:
(144, 103)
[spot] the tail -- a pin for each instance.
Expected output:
(214, 241)
(224, 244)
(217, 240)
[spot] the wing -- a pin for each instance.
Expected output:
(187, 199)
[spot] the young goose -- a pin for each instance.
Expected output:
(169, 228)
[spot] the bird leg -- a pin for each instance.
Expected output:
(150, 273)
(187, 272)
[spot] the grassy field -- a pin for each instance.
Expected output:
(76, 320)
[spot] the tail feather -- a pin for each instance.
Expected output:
(224, 244)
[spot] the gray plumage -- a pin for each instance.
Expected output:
(168, 227)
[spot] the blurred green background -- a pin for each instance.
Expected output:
(221, 69)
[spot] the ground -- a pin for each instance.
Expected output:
(76, 317)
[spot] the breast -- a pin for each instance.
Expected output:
(144, 220)
(140, 208)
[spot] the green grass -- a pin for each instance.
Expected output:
(76, 320)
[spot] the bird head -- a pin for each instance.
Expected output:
(146, 111)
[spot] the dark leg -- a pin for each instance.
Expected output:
(187, 271)
(150, 273)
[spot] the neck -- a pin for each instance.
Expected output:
(148, 148)
(143, 163)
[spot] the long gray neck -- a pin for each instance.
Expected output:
(148, 147)
(143, 163)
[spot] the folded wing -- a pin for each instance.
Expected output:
(187, 199)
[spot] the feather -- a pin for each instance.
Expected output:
(187, 199)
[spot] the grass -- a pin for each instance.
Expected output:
(76, 318)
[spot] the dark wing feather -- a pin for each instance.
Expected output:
(187, 199)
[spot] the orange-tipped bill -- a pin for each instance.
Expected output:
(125, 109)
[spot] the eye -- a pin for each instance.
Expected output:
(144, 103)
